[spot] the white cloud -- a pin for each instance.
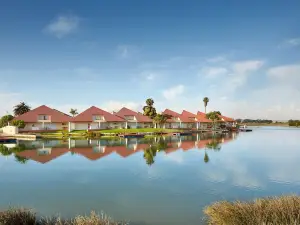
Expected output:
(63, 26)
(8, 101)
(213, 72)
(126, 51)
(243, 67)
(289, 74)
(173, 92)
(292, 42)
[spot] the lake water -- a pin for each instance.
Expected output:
(130, 180)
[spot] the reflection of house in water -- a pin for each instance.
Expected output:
(45, 151)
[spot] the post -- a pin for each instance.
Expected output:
(197, 126)
(126, 125)
(70, 127)
(69, 143)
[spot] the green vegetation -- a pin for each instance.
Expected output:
(214, 116)
(21, 109)
(73, 112)
(5, 120)
(275, 211)
(150, 111)
(294, 123)
(18, 123)
(205, 100)
(254, 121)
(28, 217)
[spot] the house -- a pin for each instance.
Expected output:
(134, 119)
(204, 123)
(44, 118)
(95, 118)
(229, 122)
(175, 121)
(191, 120)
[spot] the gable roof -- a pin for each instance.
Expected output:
(87, 116)
(227, 119)
(33, 154)
(201, 117)
(128, 112)
(32, 115)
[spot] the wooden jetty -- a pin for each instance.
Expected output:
(245, 130)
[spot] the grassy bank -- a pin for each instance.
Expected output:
(112, 132)
(28, 217)
(273, 211)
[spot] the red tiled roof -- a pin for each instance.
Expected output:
(139, 117)
(90, 154)
(32, 115)
(33, 154)
(201, 117)
(228, 119)
(186, 115)
(87, 116)
(183, 118)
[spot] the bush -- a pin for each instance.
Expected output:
(18, 123)
(275, 211)
(294, 123)
(5, 119)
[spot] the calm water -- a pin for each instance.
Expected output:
(130, 180)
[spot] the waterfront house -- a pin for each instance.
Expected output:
(95, 118)
(204, 123)
(175, 121)
(229, 122)
(134, 119)
(191, 120)
(44, 118)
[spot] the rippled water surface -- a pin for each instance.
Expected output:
(160, 181)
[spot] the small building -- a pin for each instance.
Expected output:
(44, 118)
(94, 118)
(134, 119)
(185, 120)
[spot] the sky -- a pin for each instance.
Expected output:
(243, 55)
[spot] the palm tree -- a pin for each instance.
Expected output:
(21, 109)
(205, 100)
(73, 112)
(206, 158)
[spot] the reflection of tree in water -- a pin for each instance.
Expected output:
(214, 144)
(5, 151)
(21, 159)
(150, 152)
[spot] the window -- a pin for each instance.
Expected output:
(98, 117)
(129, 117)
(43, 117)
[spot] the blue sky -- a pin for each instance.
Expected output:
(245, 56)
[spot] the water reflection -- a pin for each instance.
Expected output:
(44, 151)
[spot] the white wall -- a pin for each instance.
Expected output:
(47, 126)
(10, 130)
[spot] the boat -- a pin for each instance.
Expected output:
(7, 140)
(182, 133)
(245, 130)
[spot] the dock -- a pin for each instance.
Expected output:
(245, 130)
(15, 137)
(132, 135)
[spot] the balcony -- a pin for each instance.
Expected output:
(44, 118)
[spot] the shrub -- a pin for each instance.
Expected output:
(18, 123)
(275, 211)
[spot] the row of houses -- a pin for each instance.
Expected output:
(46, 118)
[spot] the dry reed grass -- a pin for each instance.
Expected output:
(283, 210)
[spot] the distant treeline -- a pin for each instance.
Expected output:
(294, 123)
(254, 121)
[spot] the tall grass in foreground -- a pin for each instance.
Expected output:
(283, 210)
(28, 217)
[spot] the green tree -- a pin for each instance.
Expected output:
(5, 151)
(205, 100)
(73, 112)
(5, 119)
(149, 155)
(149, 109)
(161, 119)
(213, 116)
(206, 158)
(18, 123)
(21, 109)
(21, 159)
